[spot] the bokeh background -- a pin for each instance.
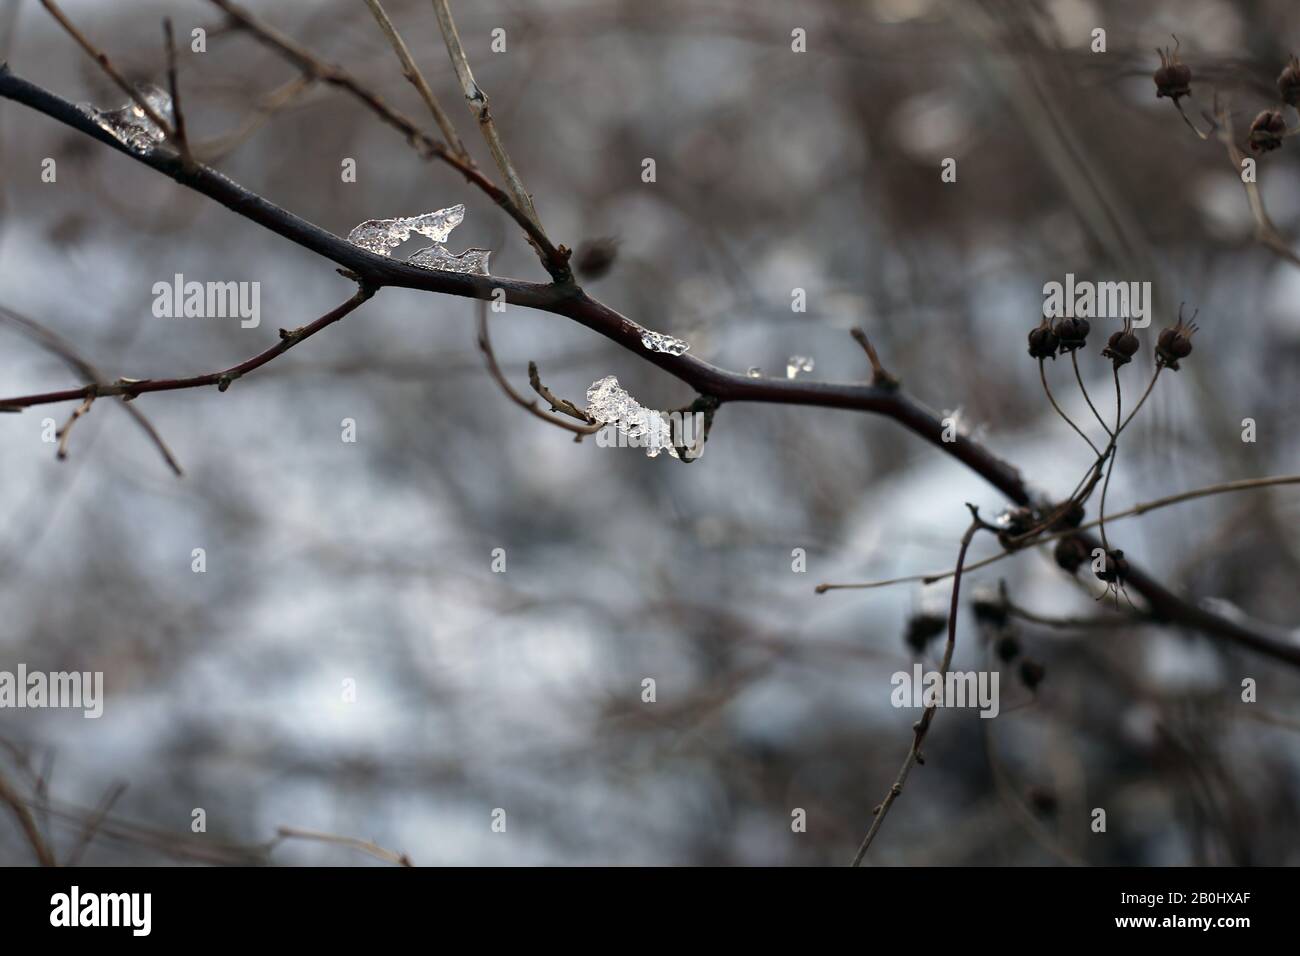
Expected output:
(371, 561)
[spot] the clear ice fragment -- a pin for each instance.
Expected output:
(129, 124)
(608, 402)
(659, 342)
(381, 236)
(754, 372)
(471, 261)
(796, 364)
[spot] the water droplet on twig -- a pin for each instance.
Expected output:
(796, 364)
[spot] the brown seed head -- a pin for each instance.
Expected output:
(1288, 82)
(1267, 130)
(1175, 342)
(1173, 77)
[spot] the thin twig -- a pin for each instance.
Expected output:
(1074, 360)
(182, 140)
(65, 433)
(62, 348)
(479, 108)
(365, 846)
(416, 79)
(880, 377)
(933, 577)
(94, 822)
(530, 405)
(27, 823)
(557, 404)
(1042, 374)
(223, 379)
(922, 726)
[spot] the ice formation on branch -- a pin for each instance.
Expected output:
(645, 428)
(659, 342)
(381, 236)
(130, 124)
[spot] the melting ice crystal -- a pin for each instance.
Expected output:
(608, 402)
(659, 342)
(381, 236)
(129, 124)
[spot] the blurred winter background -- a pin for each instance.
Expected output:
(329, 561)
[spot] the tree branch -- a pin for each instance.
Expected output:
(376, 272)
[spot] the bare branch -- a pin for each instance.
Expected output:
(716, 384)
(27, 823)
(416, 79)
(477, 101)
(130, 388)
(182, 140)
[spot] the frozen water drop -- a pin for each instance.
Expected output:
(659, 342)
(754, 372)
(131, 125)
(796, 364)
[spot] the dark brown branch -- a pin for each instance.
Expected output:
(570, 301)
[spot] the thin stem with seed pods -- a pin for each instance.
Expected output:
(1284, 651)
(1074, 360)
(1042, 375)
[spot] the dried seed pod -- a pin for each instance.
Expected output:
(1122, 345)
(1042, 341)
(1173, 77)
(1072, 333)
(595, 257)
(922, 628)
(1288, 82)
(1032, 673)
(1175, 342)
(1071, 553)
(1267, 130)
